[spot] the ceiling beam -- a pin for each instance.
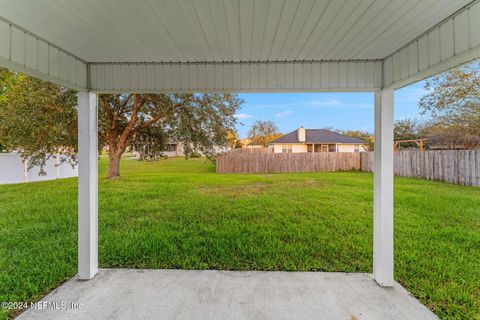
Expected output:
(314, 76)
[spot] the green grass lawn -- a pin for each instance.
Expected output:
(180, 214)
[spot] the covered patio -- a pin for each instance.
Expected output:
(107, 46)
(181, 294)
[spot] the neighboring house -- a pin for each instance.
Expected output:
(249, 143)
(438, 142)
(254, 145)
(316, 140)
(175, 149)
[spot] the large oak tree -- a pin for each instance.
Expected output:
(199, 121)
(39, 119)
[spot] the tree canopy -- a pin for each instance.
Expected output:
(200, 122)
(234, 140)
(406, 129)
(364, 135)
(7, 79)
(39, 119)
(452, 104)
(262, 132)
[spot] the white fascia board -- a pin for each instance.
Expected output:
(23, 51)
(311, 76)
(452, 42)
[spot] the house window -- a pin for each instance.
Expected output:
(170, 147)
(287, 148)
(356, 148)
(332, 148)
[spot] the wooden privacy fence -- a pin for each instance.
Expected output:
(262, 162)
(454, 166)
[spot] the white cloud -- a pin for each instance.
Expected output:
(315, 104)
(280, 105)
(336, 104)
(324, 103)
(300, 104)
(243, 116)
(283, 114)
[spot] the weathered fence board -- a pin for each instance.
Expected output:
(268, 162)
(453, 166)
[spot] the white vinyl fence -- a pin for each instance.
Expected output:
(14, 170)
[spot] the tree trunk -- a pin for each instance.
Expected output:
(114, 165)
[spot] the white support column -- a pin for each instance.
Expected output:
(383, 189)
(87, 185)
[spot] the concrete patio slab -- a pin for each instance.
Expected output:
(178, 294)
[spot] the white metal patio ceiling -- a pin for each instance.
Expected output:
(228, 30)
(237, 45)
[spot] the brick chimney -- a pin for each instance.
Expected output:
(301, 134)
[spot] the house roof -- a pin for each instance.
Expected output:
(317, 136)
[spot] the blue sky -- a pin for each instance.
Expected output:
(348, 111)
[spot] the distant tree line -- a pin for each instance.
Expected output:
(450, 110)
(452, 106)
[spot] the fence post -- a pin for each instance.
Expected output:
(57, 165)
(25, 170)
